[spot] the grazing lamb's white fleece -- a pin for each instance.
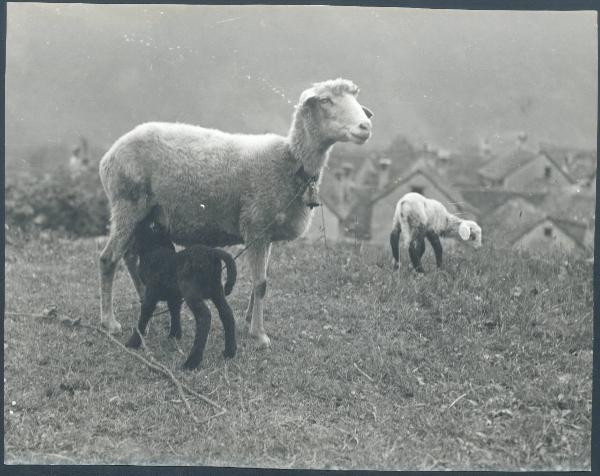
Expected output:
(219, 189)
(417, 218)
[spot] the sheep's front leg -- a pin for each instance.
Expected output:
(249, 308)
(125, 215)
(258, 257)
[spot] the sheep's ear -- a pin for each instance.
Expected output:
(464, 231)
(307, 96)
(368, 112)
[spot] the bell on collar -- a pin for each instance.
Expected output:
(311, 196)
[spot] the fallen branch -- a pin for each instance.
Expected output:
(8, 313)
(155, 365)
(164, 370)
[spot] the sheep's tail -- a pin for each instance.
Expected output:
(231, 269)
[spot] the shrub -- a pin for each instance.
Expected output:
(58, 202)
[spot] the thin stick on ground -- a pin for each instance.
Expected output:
(165, 371)
(363, 372)
(456, 401)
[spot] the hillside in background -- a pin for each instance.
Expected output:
(445, 77)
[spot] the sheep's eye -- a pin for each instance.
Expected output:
(325, 100)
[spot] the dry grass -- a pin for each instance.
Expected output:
(485, 365)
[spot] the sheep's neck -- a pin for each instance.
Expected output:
(306, 145)
(452, 224)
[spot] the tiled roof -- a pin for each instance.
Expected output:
(488, 200)
(582, 162)
(422, 166)
(516, 217)
(503, 166)
(513, 219)
(570, 205)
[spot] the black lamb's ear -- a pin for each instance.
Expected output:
(368, 112)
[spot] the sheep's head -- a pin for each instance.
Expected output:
(470, 231)
(336, 113)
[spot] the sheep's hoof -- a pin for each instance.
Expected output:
(112, 326)
(262, 340)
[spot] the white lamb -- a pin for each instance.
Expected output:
(417, 218)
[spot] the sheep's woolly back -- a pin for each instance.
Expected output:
(227, 188)
(416, 211)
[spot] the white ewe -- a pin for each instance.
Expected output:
(221, 189)
(417, 218)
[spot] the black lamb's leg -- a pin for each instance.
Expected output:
(202, 315)
(147, 309)
(226, 316)
(175, 310)
(415, 251)
(436, 244)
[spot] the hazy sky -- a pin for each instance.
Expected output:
(446, 77)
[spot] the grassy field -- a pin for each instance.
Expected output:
(484, 365)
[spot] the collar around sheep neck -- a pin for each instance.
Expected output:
(301, 172)
(304, 176)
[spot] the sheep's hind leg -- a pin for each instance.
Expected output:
(258, 256)
(124, 218)
(437, 247)
(415, 251)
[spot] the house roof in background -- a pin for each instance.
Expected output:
(513, 219)
(570, 205)
(517, 217)
(423, 167)
(582, 163)
(488, 200)
(574, 229)
(463, 168)
(503, 166)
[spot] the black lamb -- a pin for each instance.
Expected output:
(191, 275)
